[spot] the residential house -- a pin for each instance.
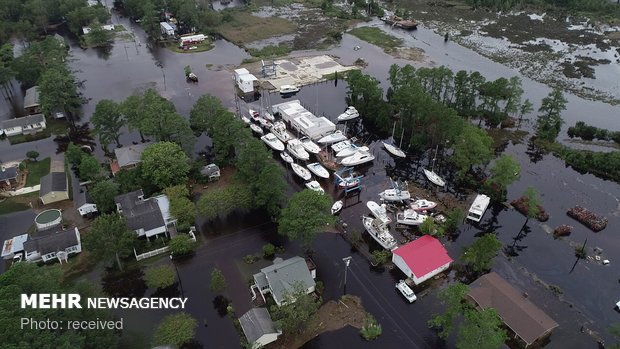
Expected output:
(53, 244)
(258, 327)
(147, 217)
(127, 157)
(528, 323)
(280, 278)
(83, 203)
(245, 81)
(54, 188)
(9, 177)
(421, 259)
(30, 124)
(14, 246)
(31, 100)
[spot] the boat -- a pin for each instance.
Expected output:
(380, 232)
(309, 145)
(264, 123)
(410, 217)
(406, 291)
(337, 206)
(349, 182)
(301, 172)
(360, 157)
(273, 142)
(333, 137)
(269, 116)
(256, 129)
(254, 114)
(318, 170)
(346, 152)
(434, 178)
(349, 114)
(286, 157)
(396, 21)
(379, 211)
(315, 186)
(337, 147)
(423, 205)
(297, 150)
(192, 77)
(395, 195)
(246, 120)
(478, 207)
(288, 89)
(280, 131)
(394, 150)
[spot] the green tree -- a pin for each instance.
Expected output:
(472, 147)
(429, 227)
(32, 155)
(103, 194)
(479, 255)
(453, 297)
(74, 154)
(504, 172)
(176, 329)
(159, 277)
(107, 122)
(181, 207)
(218, 282)
(204, 113)
(165, 164)
(550, 120)
(98, 37)
(454, 218)
(109, 238)
(57, 91)
(532, 202)
(131, 108)
(296, 309)
(85, 15)
(150, 20)
(481, 330)
(181, 244)
(306, 215)
(89, 168)
(38, 58)
(270, 189)
(371, 330)
(223, 200)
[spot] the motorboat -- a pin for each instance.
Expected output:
(315, 186)
(254, 114)
(406, 291)
(337, 206)
(286, 157)
(246, 120)
(297, 150)
(301, 172)
(395, 195)
(346, 152)
(288, 89)
(423, 205)
(360, 157)
(309, 145)
(257, 129)
(337, 147)
(394, 150)
(265, 123)
(318, 170)
(280, 131)
(333, 137)
(273, 142)
(380, 232)
(410, 217)
(379, 211)
(349, 114)
(434, 178)
(349, 182)
(269, 116)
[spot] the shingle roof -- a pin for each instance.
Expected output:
(53, 181)
(8, 173)
(140, 214)
(130, 155)
(31, 99)
(51, 240)
(256, 323)
(23, 121)
(283, 275)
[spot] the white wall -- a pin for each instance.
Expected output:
(264, 340)
(420, 280)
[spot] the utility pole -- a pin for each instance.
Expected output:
(347, 261)
(179, 278)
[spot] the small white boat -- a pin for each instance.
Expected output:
(349, 114)
(315, 186)
(395, 195)
(288, 89)
(246, 120)
(337, 147)
(269, 117)
(380, 232)
(301, 172)
(264, 123)
(423, 205)
(394, 150)
(346, 152)
(280, 131)
(379, 211)
(349, 182)
(273, 142)
(360, 157)
(286, 157)
(333, 137)
(318, 170)
(254, 114)
(410, 217)
(256, 129)
(297, 150)
(337, 206)
(434, 178)
(309, 145)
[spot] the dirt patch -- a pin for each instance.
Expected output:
(410, 53)
(245, 28)
(226, 177)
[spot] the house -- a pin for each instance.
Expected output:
(304, 121)
(14, 246)
(128, 157)
(525, 320)
(211, 171)
(147, 217)
(30, 124)
(83, 203)
(54, 188)
(246, 82)
(8, 177)
(421, 259)
(53, 244)
(280, 278)
(31, 100)
(258, 327)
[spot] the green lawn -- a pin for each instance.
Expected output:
(36, 170)
(377, 37)
(17, 203)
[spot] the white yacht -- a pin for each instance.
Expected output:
(346, 152)
(349, 182)
(360, 157)
(337, 147)
(349, 114)
(257, 129)
(380, 232)
(297, 150)
(301, 172)
(273, 142)
(379, 211)
(315, 186)
(423, 205)
(337, 206)
(280, 131)
(309, 145)
(286, 157)
(318, 170)
(265, 123)
(410, 217)
(395, 195)
(333, 137)
(288, 89)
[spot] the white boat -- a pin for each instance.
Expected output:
(379, 211)
(314, 185)
(301, 172)
(273, 142)
(246, 120)
(318, 170)
(478, 207)
(423, 205)
(297, 150)
(395, 195)
(346, 152)
(264, 123)
(380, 232)
(333, 137)
(280, 131)
(394, 150)
(434, 178)
(349, 114)
(256, 129)
(360, 157)
(349, 182)
(288, 89)
(286, 157)
(269, 117)
(337, 147)
(254, 114)
(410, 217)
(337, 206)
(309, 145)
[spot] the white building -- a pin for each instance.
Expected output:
(258, 327)
(280, 279)
(147, 217)
(246, 82)
(30, 124)
(478, 207)
(53, 244)
(14, 246)
(304, 121)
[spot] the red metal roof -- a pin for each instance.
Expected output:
(423, 255)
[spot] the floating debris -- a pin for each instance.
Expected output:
(521, 205)
(562, 230)
(588, 218)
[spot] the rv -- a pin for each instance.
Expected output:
(166, 29)
(191, 39)
(477, 209)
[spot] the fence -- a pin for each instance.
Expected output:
(149, 254)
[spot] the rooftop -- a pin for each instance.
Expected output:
(256, 323)
(31, 99)
(52, 240)
(284, 274)
(7, 173)
(131, 155)
(23, 121)
(423, 255)
(140, 213)
(53, 181)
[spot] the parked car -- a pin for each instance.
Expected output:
(406, 291)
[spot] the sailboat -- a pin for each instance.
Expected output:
(431, 175)
(393, 149)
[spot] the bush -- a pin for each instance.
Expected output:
(159, 277)
(32, 155)
(381, 256)
(249, 259)
(181, 244)
(269, 250)
(371, 330)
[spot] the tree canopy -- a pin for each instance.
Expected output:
(109, 238)
(58, 91)
(550, 120)
(103, 194)
(176, 329)
(479, 255)
(453, 297)
(306, 215)
(165, 164)
(218, 282)
(297, 309)
(481, 329)
(181, 207)
(504, 172)
(221, 201)
(159, 277)
(107, 122)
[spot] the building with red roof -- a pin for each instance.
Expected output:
(422, 258)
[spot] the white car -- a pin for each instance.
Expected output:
(406, 291)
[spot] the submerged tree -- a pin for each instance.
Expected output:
(479, 255)
(107, 122)
(550, 120)
(453, 296)
(176, 329)
(481, 329)
(307, 215)
(296, 309)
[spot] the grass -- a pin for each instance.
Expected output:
(17, 203)
(271, 51)
(245, 28)
(201, 47)
(36, 170)
(377, 37)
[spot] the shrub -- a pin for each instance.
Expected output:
(181, 244)
(159, 277)
(269, 250)
(381, 256)
(371, 330)
(249, 259)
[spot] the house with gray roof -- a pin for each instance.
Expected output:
(258, 327)
(83, 203)
(25, 125)
(128, 157)
(281, 278)
(54, 188)
(31, 100)
(53, 244)
(8, 177)
(144, 216)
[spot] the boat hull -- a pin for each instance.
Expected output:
(393, 195)
(301, 172)
(318, 170)
(434, 178)
(272, 142)
(379, 232)
(394, 150)
(337, 206)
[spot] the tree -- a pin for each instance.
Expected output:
(165, 164)
(38, 58)
(103, 194)
(181, 244)
(221, 201)
(131, 109)
(218, 282)
(206, 109)
(107, 122)
(504, 172)
(32, 155)
(109, 238)
(57, 91)
(479, 255)
(533, 203)
(453, 296)
(270, 189)
(306, 215)
(181, 207)
(454, 218)
(98, 37)
(472, 147)
(296, 309)
(550, 121)
(89, 168)
(74, 154)
(481, 330)
(159, 277)
(429, 227)
(176, 329)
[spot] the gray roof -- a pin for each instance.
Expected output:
(130, 155)
(209, 169)
(53, 181)
(51, 240)
(31, 99)
(283, 275)
(256, 323)
(23, 121)
(8, 173)
(80, 193)
(140, 213)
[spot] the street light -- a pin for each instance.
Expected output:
(347, 261)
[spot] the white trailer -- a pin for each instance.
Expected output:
(166, 29)
(477, 209)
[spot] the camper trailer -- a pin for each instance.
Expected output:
(477, 209)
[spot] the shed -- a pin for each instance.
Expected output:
(258, 327)
(421, 259)
(31, 100)
(245, 81)
(54, 188)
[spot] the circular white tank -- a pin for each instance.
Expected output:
(48, 218)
